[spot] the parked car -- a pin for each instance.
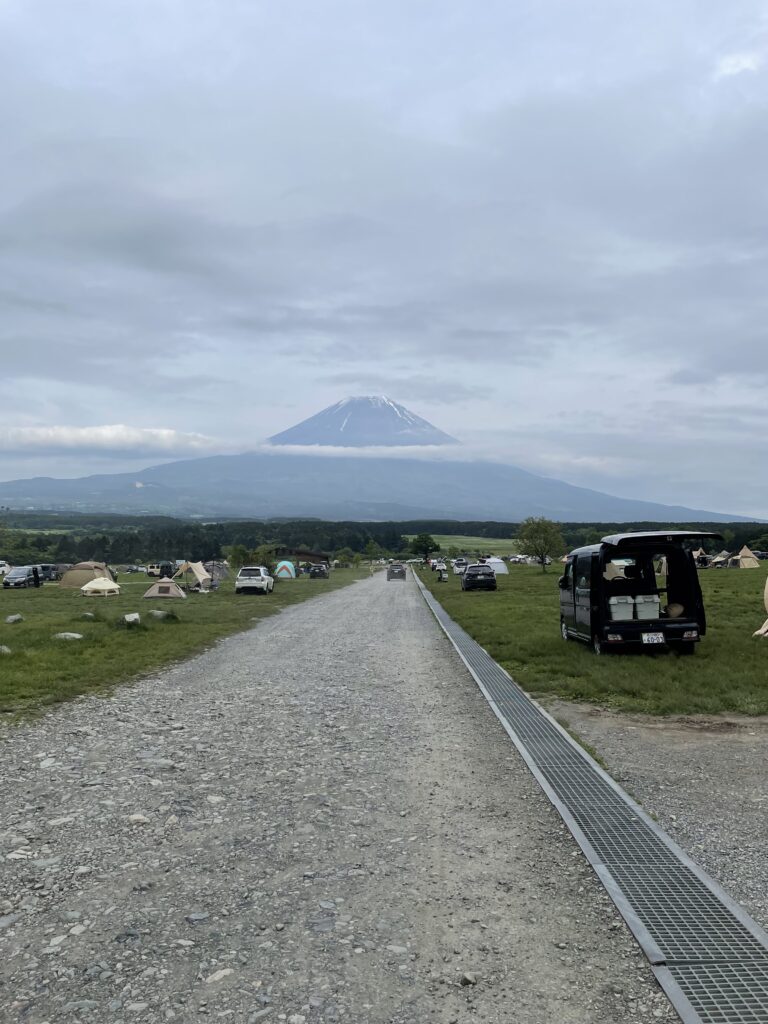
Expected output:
(611, 599)
(161, 569)
(48, 571)
(318, 571)
(396, 571)
(4, 568)
(478, 577)
(254, 579)
(21, 576)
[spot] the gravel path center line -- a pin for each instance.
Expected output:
(317, 820)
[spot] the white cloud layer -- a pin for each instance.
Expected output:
(117, 438)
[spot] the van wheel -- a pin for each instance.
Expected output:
(597, 645)
(564, 630)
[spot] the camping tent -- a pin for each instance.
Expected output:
(82, 573)
(195, 571)
(219, 571)
(165, 588)
(285, 571)
(100, 587)
(721, 559)
(744, 560)
(499, 567)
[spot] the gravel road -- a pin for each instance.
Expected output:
(317, 820)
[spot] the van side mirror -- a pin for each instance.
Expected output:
(562, 583)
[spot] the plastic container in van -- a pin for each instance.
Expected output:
(622, 607)
(647, 606)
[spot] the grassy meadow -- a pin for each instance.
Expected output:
(519, 625)
(41, 670)
(482, 545)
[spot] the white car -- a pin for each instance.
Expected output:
(4, 568)
(254, 579)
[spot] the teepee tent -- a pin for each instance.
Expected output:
(194, 571)
(82, 573)
(285, 571)
(100, 587)
(744, 560)
(165, 588)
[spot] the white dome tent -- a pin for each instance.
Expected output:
(100, 587)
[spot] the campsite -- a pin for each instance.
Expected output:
(41, 670)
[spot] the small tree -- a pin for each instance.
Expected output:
(541, 539)
(424, 545)
(236, 555)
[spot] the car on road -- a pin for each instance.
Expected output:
(318, 571)
(612, 598)
(478, 577)
(21, 576)
(254, 579)
(396, 571)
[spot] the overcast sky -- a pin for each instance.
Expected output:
(540, 224)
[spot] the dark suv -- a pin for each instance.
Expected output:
(396, 572)
(478, 577)
(318, 571)
(21, 576)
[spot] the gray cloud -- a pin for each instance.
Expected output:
(200, 202)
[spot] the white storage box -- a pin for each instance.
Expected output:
(622, 608)
(647, 606)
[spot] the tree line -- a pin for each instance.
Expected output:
(47, 537)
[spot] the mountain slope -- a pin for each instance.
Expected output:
(262, 484)
(369, 421)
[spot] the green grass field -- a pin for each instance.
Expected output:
(519, 626)
(41, 670)
(482, 545)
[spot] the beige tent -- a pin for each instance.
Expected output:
(165, 588)
(721, 559)
(100, 587)
(82, 573)
(744, 560)
(195, 571)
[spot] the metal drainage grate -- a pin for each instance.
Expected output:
(710, 957)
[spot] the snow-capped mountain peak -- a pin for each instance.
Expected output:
(361, 422)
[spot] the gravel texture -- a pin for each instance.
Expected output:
(705, 780)
(317, 820)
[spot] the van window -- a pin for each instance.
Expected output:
(568, 576)
(583, 572)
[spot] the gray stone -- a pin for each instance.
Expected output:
(155, 613)
(67, 636)
(468, 978)
(132, 619)
(10, 619)
(8, 919)
(88, 616)
(4, 649)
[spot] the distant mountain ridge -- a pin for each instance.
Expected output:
(363, 422)
(264, 484)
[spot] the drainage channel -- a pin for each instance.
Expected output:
(708, 955)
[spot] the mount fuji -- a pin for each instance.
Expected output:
(284, 479)
(364, 422)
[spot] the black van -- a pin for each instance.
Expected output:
(610, 595)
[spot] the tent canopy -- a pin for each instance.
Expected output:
(286, 570)
(84, 572)
(197, 569)
(165, 588)
(498, 566)
(100, 587)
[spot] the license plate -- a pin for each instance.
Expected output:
(653, 638)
